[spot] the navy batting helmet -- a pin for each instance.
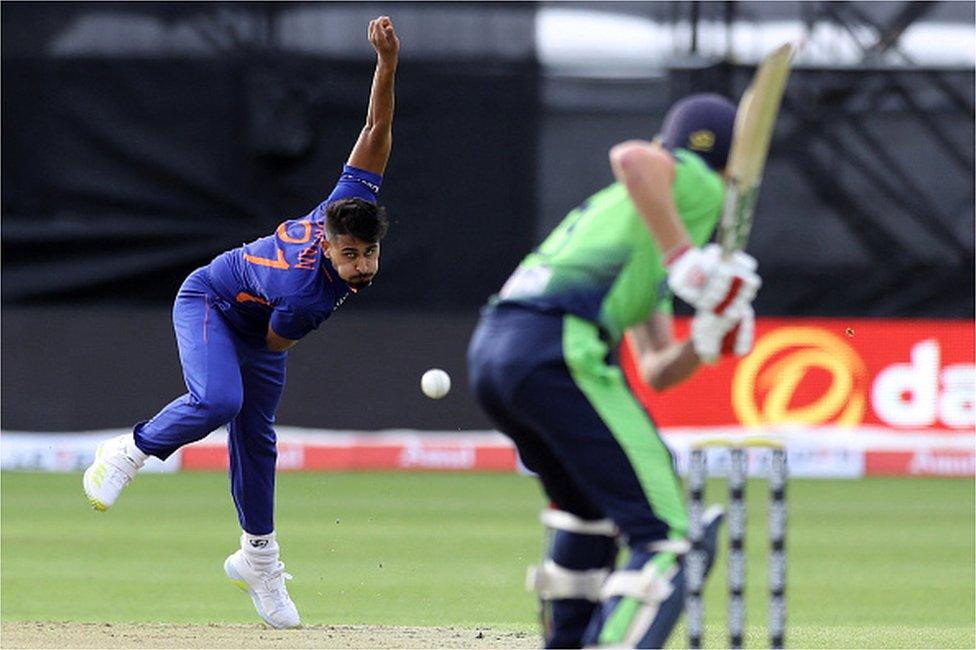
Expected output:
(701, 123)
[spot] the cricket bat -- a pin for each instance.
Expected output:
(754, 122)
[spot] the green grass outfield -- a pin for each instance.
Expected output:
(873, 563)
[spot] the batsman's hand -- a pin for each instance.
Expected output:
(714, 335)
(704, 280)
(690, 270)
(383, 38)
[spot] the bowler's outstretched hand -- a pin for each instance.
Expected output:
(382, 36)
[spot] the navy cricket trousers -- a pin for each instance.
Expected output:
(545, 381)
(230, 381)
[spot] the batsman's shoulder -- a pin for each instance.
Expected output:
(689, 160)
(698, 190)
(691, 166)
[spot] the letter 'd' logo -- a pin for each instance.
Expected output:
(800, 375)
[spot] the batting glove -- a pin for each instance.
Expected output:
(713, 334)
(733, 286)
(705, 281)
(690, 270)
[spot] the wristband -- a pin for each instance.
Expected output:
(672, 255)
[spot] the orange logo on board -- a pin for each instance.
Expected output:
(800, 375)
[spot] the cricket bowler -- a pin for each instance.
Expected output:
(541, 366)
(236, 318)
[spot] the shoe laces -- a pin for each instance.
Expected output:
(119, 478)
(274, 581)
(123, 469)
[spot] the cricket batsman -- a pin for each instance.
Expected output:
(541, 366)
(236, 318)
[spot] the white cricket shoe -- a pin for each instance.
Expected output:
(266, 588)
(111, 471)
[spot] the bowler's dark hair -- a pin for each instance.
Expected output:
(361, 219)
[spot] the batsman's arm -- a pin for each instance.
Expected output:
(646, 169)
(661, 361)
(372, 149)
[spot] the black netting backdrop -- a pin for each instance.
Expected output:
(120, 176)
(141, 139)
(123, 169)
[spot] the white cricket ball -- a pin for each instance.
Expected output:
(435, 383)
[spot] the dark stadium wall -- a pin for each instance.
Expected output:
(68, 369)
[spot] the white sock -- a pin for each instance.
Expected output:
(134, 452)
(260, 550)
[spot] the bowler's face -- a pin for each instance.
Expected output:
(356, 261)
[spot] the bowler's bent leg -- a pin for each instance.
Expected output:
(212, 375)
(211, 370)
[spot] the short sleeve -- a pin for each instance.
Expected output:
(355, 183)
(293, 325)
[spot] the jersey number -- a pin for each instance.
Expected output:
(282, 232)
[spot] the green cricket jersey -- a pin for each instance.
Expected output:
(601, 262)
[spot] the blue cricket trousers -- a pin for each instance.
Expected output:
(231, 380)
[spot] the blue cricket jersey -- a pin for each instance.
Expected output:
(284, 279)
